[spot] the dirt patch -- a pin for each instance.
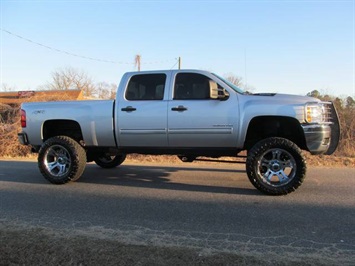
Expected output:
(324, 160)
(40, 247)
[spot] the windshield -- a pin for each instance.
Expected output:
(231, 85)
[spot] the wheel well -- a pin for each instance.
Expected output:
(67, 128)
(274, 126)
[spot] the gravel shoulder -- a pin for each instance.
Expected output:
(40, 246)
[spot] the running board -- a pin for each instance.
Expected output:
(189, 159)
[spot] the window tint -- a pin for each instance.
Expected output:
(146, 87)
(191, 86)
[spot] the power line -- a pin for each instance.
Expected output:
(174, 63)
(77, 55)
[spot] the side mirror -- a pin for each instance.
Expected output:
(216, 93)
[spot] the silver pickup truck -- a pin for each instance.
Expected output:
(188, 113)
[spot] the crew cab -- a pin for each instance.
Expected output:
(188, 113)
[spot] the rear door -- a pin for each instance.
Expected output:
(142, 112)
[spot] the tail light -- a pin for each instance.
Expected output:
(23, 118)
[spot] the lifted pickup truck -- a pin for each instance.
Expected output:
(188, 113)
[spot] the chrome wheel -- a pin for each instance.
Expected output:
(277, 167)
(57, 160)
(61, 160)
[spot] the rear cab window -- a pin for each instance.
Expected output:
(143, 87)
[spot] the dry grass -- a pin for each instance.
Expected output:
(330, 160)
(9, 127)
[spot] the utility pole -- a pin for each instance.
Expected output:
(179, 62)
(137, 61)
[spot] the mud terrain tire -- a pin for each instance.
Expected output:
(276, 166)
(61, 160)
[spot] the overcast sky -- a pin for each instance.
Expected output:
(274, 46)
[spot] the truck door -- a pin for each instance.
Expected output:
(142, 112)
(196, 120)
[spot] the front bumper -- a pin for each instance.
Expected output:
(324, 138)
(318, 138)
(22, 138)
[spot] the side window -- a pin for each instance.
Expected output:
(191, 86)
(146, 87)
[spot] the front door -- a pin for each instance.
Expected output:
(196, 120)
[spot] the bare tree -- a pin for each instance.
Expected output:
(72, 79)
(237, 81)
(6, 87)
(113, 90)
(105, 90)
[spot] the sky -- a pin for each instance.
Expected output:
(291, 47)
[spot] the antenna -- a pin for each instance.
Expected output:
(245, 68)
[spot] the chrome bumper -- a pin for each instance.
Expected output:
(318, 138)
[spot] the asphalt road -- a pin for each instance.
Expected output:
(207, 206)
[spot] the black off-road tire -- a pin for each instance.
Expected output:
(61, 160)
(276, 166)
(109, 161)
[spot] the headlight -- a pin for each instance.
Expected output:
(314, 113)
